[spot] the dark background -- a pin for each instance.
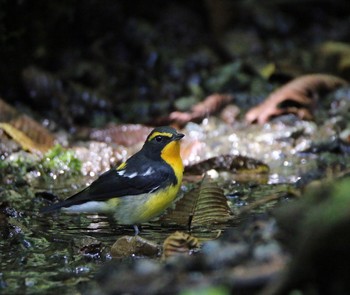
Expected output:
(90, 62)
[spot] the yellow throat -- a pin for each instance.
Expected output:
(171, 155)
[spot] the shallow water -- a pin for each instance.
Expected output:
(61, 253)
(44, 254)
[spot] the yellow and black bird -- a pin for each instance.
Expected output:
(140, 188)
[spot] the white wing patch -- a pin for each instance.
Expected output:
(123, 173)
(132, 175)
(148, 172)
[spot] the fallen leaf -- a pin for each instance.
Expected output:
(31, 135)
(210, 105)
(25, 142)
(179, 243)
(297, 97)
(203, 206)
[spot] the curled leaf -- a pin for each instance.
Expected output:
(203, 206)
(297, 97)
(211, 104)
(134, 245)
(230, 163)
(179, 243)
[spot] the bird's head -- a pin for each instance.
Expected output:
(164, 142)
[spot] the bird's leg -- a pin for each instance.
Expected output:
(137, 231)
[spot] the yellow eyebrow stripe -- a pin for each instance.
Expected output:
(167, 134)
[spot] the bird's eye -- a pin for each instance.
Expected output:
(158, 138)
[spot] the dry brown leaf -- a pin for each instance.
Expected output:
(211, 104)
(39, 134)
(204, 206)
(31, 135)
(25, 142)
(179, 243)
(297, 97)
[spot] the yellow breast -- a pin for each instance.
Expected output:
(160, 201)
(142, 208)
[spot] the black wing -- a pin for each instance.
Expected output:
(133, 180)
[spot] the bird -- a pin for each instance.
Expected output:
(139, 189)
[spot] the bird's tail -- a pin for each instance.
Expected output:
(76, 199)
(54, 207)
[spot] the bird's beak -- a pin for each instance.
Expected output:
(178, 136)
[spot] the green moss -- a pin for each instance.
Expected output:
(15, 168)
(56, 162)
(60, 160)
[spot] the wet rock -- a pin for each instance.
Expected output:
(90, 248)
(134, 246)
